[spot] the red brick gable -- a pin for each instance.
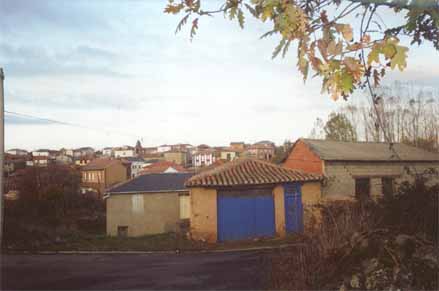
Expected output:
(302, 158)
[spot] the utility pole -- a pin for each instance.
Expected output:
(2, 152)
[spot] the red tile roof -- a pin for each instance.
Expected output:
(249, 172)
(161, 167)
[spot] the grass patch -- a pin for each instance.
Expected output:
(159, 242)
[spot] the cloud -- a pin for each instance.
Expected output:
(27, 15)
(26, 61)
(81, 101)
(18, 120)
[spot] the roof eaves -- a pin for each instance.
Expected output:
(148, 192)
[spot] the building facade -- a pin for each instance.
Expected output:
(202, 158)
(124, 152)
(358, 170)
(100, 174)
(148, 204)
(247, 199)
(263, 150)
(177, 156)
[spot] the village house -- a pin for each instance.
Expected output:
(17, 152)
(249, 198)
(182, 147)
(100, 174)
(263, 150)
(204, 157)
(107, 152)
(238, 146)
(124, 152)
(149, 150)
(63, 159)
(82, 152)
(42, 158)
(13, 163)
(135, 165)
(82, 161)
(162, 167)
(176, 156)
(229, 153)
(359, 169)
(148, 204)
(164, 148)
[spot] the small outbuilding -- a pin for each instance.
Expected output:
(148, 204)
(249, 198)
(360, 170)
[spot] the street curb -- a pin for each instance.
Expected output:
(175, 252)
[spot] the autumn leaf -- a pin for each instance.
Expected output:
(194, 27)
(173, 9)
(241, 18)
(400, 57)
(347, 83)
(376, 77)
(345, 30)
(374, 55)
(354, 67)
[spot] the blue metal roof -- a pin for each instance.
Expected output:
(153, 183)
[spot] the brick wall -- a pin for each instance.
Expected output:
(302, 158)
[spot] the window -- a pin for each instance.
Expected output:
(388, 186)
(122, 231)
(362, 188)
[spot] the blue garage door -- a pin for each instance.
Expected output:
(245, 214)
(293, 208)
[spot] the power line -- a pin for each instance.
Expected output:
(28, 116)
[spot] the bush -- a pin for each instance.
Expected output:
(389, 244)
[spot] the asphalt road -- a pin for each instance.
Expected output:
(237, 270)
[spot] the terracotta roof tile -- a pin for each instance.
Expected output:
(249, 172)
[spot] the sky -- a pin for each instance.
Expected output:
(114, 72)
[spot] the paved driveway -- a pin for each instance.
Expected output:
(238, 270)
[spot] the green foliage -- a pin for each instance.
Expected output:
(339, 128)
(345, 59)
